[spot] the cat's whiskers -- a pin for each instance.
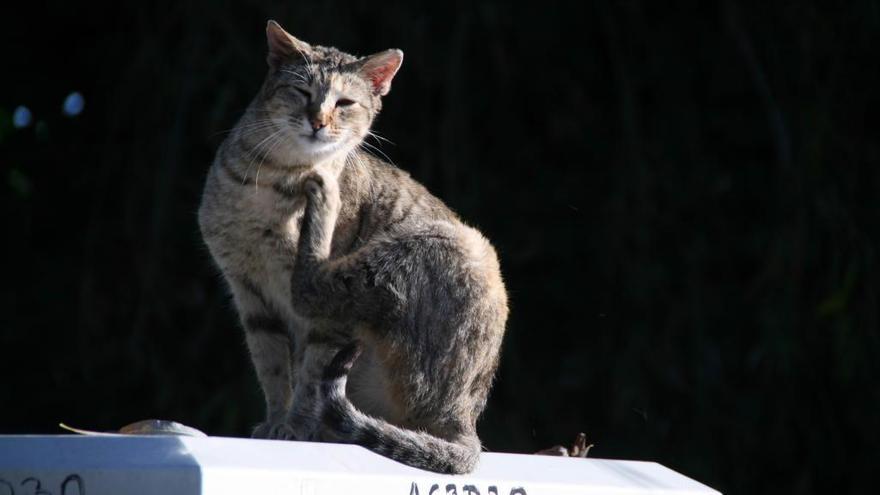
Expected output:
(255, 152)
(260, 131)
(272, 147)
(379, 137)
(251, 128)
(377, 150)
(259, 122)
(257, 128)
(244, 126)
(355, 157)
(351, 156)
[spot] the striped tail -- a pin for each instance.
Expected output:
(344, 423)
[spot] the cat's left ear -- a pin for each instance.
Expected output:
(379, 69)
(283, 47)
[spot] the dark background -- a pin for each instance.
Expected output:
(682, 196)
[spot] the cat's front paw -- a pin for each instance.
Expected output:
(322, 189)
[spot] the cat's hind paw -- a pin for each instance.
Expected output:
(273, 431)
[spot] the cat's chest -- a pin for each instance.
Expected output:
(266, 229)
(270, 225)
(252, 231)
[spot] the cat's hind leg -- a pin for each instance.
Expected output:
(321, 287)
(342, 422)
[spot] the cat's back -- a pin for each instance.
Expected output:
(398, 200)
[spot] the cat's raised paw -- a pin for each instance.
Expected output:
(314, 188)
(323, 189)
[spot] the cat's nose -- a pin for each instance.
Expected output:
(318, 123)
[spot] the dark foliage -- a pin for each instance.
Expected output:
(683, 198)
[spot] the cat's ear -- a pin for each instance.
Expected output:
(283, 47)
(379, 69)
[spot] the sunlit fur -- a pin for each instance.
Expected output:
(327, 249)
(279, 118)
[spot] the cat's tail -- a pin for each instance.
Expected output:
(344, 423)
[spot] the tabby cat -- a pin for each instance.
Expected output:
(373, 315)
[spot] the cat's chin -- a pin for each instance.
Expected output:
(316, 150)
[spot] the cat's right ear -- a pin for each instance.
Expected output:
(283, 47)
(379, 69)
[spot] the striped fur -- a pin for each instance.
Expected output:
(342, 422)
(373, 315)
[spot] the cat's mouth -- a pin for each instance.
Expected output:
(317, 140)
(314, 138)
(318, 144)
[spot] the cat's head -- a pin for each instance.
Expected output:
(322, 100)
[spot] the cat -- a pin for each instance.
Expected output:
(372, 314)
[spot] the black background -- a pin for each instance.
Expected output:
(682, 196)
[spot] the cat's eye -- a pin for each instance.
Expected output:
(305, 93)
(344, 102)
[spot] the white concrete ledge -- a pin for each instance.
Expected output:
(142, 465)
